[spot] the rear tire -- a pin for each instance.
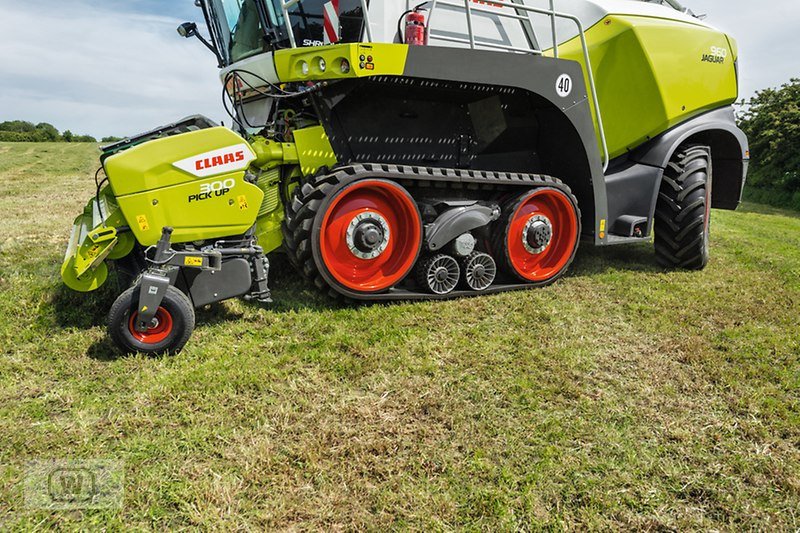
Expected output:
(683, 210)
(174, 323)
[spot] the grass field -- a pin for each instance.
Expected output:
(623, 397)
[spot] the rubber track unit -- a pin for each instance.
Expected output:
(312, 192)
(681, 228)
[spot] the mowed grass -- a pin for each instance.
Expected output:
(623, 397)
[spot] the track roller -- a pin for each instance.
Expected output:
(478, 271)
(438, 274)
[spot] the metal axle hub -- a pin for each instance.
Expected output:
(441, 274)
(537, 234)
(368, 235)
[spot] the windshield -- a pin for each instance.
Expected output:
(239, 33)
(239, 29)
(307, 19)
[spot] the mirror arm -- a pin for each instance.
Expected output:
(212, 48)
(189, 29)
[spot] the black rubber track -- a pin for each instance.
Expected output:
(311, 195)
(681, 228)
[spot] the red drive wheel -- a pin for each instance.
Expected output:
(370, 235)
(540, 235)
(159, 330)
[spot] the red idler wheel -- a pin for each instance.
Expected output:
(370, 235)
(155, 334)
(540, 235)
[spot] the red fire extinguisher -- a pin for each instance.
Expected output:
(416, 33)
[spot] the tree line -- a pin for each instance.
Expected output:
(771, 120)
(24, 131)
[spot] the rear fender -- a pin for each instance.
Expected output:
(729, 151)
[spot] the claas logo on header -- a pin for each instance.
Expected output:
(219, 160)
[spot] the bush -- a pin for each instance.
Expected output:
(16, 136)
(23, 131)
(773, 197)
(772, 124)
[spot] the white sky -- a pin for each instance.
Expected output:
(118, 67)
(102, 68)
(768, 33)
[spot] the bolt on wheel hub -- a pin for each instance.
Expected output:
(441, 275)
(538, 234)
(368, 235)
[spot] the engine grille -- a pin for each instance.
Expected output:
(269, 182)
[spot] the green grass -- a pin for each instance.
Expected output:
(623, 397)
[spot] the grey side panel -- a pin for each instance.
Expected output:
(632, 192)
(729, 151)
(206, 287)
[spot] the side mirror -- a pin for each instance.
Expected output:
(187, 29)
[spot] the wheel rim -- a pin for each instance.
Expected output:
(155, 334)
(384, 253)
(442, 274)
(542, 235)
(480, 271)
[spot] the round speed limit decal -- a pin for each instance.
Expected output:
(564, 85)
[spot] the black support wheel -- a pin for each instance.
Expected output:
(478, 271)
(168, 332)
(683, 210)
(438, 274)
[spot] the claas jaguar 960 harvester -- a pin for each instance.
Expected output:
(397, 150)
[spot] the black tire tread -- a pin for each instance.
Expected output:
(681, 236)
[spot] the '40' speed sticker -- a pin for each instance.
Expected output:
(564, 85)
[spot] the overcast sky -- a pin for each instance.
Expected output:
(117, 67)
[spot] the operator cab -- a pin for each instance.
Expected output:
(241, 29)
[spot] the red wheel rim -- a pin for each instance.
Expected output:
(155, 334)
(401, 216)
(559, 210)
